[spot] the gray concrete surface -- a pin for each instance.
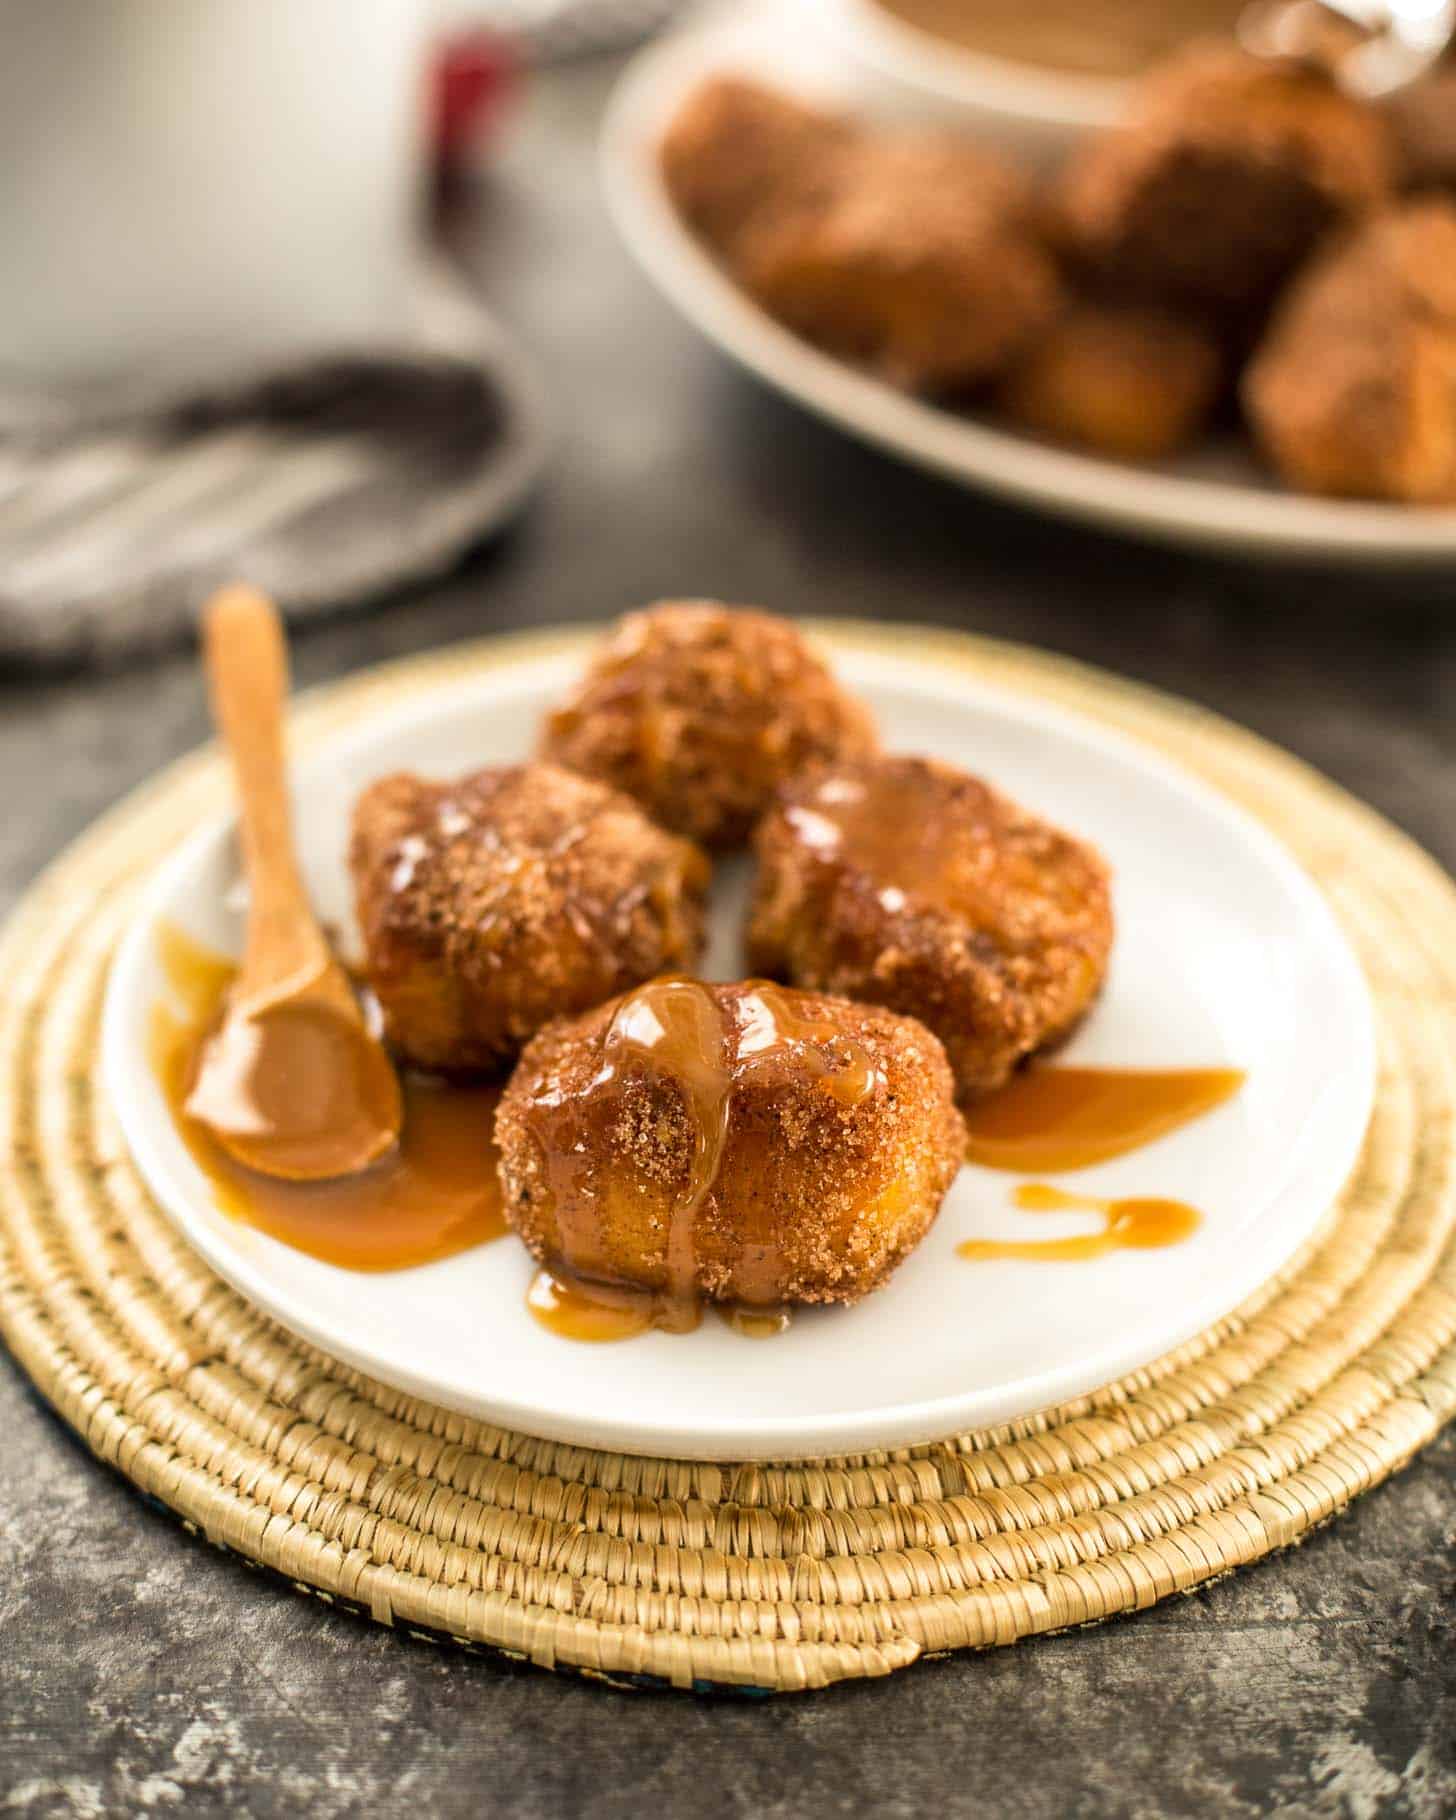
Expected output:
(141, 1672)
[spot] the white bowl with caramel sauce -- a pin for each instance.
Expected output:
(1030, 75)
(1214, 496)
(1226, 958)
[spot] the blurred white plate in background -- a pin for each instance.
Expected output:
(1218, 498)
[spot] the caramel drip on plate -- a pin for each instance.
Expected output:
(1138, 1224)
(754, 1323)
(437, 1194)
(679, 1031)
(594, 1314)
(597, 1312)
(1051, 1119)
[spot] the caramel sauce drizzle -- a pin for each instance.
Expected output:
(1048, 1120)
(891, 826)
(676, 1029)
(436, 1195)
(1139, 1223)
(774, 1030)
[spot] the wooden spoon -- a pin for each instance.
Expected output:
(291, 1083)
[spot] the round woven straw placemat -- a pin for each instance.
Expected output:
(769, 1577)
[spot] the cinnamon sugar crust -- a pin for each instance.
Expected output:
(699, 711)
(812, 1199)
(738, 155)
(1353, 390)
(510, 896)
(1122, 379)
(913, 252)
(904, 882)
(924, 262)
(1226, 174)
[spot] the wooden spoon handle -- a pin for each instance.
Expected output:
(247, 675)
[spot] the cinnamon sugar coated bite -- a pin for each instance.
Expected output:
(904, 882)
(1125, 380)
(924, 262)
(496, 902)
(1353, 390)
(737, 155)
(914, 252)
(1423, 121)
(1225, 174)
(738, 1143)
(699, 711)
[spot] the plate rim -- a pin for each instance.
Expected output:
(1214, 515)
(130, 1087)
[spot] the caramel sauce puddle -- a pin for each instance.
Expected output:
(595, 1313)
(1053, 1119)
(1050, 1119)
(435, 1195)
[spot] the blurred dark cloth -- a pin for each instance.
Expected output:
(329, 481)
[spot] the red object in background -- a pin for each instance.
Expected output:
(475, 77)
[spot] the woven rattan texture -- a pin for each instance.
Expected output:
(771, 1577)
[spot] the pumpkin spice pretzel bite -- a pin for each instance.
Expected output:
(904, 882)
(739, 1143)
(513, 895)
(699, 711)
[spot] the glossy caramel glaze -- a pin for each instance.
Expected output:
(1140, 1223)
(437, 1194)
(905, 882)
(777, 1031)
(890, 822)
(676, 1027)
(1051, 1119)
(746, 1143)
(678, 1031)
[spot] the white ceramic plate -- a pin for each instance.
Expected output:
(1215, 498)
(1226, 954)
